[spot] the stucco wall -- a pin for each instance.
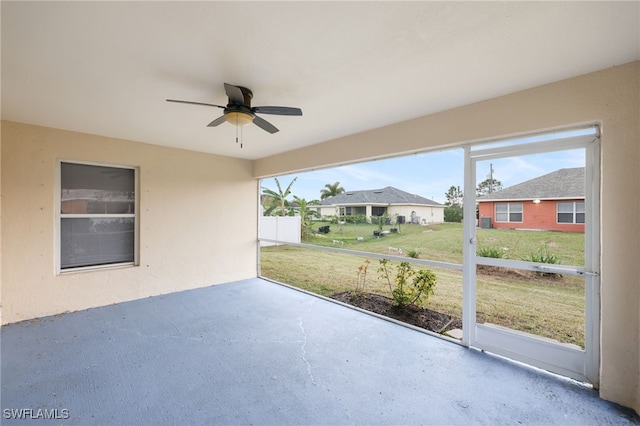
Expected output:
(610, 97)
(191, 234)
(429, 214)
(426, 214)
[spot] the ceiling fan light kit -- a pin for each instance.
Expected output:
(239, 112)
(238, 118)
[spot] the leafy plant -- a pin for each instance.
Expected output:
(277, 202)
(383, 272)
(355, 218)
(381, 221)
(413, 253)
(453, 214)
(490, 251)
(306, 214)
(411, 287)
(543, 255)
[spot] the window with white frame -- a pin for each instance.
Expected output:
(97, 216)
(570, 211)
(508, 212)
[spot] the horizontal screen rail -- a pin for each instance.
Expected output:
(534, 266)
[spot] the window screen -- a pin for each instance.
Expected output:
(97, 215)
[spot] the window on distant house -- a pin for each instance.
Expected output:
(378, 211)
(570, 212)
(508, 212)
(97, 220)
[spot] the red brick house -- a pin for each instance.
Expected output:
(552, 202)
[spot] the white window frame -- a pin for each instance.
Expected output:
(508, 204)
(574, 213)
(59, 216)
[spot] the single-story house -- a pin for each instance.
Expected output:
(398, 205)
(553, 202)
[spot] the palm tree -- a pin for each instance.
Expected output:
(331, 190)
(277, 201)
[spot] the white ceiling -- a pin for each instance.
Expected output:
(107, 67)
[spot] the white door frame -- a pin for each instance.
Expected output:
(565, 359)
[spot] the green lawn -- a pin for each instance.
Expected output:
(550, 307)
(443, 242)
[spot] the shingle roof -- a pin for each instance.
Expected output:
(563, 183)
(388, 195)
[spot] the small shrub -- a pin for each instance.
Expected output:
(413, 253)
(542, 255)
(383, 272)
(453, 214)
(411, 286)
(490, 251)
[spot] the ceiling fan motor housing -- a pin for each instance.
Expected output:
(248, 94)
(240, 115)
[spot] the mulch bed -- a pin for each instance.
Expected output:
(419, 317)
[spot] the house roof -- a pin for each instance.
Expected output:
(388, 195)
(561, 184)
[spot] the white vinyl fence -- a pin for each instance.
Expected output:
(281, 228)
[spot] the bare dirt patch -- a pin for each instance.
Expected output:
(419, 317)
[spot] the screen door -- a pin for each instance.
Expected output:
(531, 255)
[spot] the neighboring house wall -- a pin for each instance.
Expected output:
(542, 216)
(608, 97)
(189, 236)
(326, 211)
(426, 214)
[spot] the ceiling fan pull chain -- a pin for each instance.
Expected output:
(236, 129)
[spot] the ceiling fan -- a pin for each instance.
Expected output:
(239, 111)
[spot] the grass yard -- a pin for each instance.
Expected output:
(547, 306)
(443, 241)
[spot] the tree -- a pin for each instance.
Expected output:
(277, 202)
(331, 190)
(488, 186)
(453, 214)
(305, 213)
(454, 196)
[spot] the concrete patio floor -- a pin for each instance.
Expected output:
(255, 352)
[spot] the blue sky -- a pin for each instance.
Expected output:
(429, 175)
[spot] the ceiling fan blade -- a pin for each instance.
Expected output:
(194, 103)
(218, 121)
(234, 93)
(277, 110)
(264, 124)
